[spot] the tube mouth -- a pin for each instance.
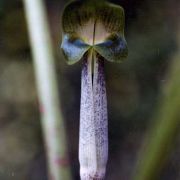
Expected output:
(111, 50)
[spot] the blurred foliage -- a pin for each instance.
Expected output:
(160, 140)
(1, 7)
(14, 32)
(14, 37)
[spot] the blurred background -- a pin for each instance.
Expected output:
(134, 89)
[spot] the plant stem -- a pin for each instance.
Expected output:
(93, 145)
(52, 121)
(161, 138)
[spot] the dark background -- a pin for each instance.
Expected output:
(134, 88)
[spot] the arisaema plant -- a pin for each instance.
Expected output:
(93, 31)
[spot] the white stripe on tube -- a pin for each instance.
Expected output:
(93, 143)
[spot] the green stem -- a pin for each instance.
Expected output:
(162, 136)
(52, 121)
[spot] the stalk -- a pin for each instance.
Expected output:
(52, 121)
(93, 143)
(162, 136)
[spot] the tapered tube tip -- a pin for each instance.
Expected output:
(87, 174)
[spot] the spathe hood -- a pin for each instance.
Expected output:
(95, 25)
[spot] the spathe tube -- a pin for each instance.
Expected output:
(93, 32)
(93, 138)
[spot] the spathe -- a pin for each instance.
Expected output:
(93, 31)
(73, 49)
(93, 25)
